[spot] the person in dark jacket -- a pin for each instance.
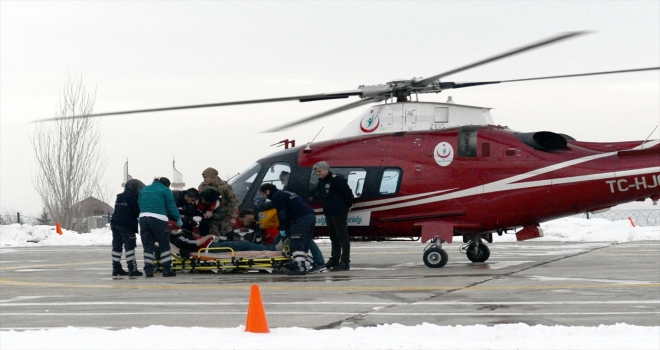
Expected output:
(156, 208)
(297, 220)
(186, 203)
(124, 226)
(337, 199)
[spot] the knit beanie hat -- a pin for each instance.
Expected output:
(210, 172)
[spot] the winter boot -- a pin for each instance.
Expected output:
(331, 263)
(121, 272)
(298, 269)
(342, 266)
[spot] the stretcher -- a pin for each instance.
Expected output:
(227, 260)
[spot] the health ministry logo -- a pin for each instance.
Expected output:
(443, 154)
(370, 122)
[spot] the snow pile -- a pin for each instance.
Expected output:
(17, 235)
(389, 336)
(591, 230)
(562, 230)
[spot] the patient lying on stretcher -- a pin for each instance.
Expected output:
(189, 242)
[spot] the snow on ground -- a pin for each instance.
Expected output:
(562, 230)
(390, 336)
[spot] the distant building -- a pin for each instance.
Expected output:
(92, 213)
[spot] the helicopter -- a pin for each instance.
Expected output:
(433, 171)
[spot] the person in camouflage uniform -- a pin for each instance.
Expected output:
(229, 200)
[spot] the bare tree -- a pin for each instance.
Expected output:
(69, 156)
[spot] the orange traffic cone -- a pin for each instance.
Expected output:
(58, 228)
(631, 221)
(256, 316)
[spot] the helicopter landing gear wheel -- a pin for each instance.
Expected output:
(435, 257)
(480, 253)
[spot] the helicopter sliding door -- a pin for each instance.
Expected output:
(368, 184)
(354, 176)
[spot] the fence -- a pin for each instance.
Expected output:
(7, 219)
(641, 217)
(88, 223)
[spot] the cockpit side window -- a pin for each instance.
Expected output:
(278, 175)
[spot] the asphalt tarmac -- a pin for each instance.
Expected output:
(546, 283)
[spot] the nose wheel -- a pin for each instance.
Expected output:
(434, 255)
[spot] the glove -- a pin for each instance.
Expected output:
(283, 233)
(179, 223)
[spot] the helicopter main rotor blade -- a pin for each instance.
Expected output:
(535, 45)
(302, 98)
(448, 85)
(323, 114)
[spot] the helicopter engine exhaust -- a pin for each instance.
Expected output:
(545, 141)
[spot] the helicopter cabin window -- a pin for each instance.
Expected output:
(354, 176)
(389, 184)
(242, 182)
(467, 141)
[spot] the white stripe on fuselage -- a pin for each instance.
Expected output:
(391, 200)
(509, 184)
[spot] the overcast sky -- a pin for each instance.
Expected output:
(156, 54)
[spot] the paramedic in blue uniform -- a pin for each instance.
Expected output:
(337, 199)
(297, 221)
(156, 208)
(124, 226)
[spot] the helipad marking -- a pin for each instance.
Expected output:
(333, 303)
(131, 285)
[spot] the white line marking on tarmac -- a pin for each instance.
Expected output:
(196, 313)
(553, 279)
(50, 270)
(21, 298)
(205, 303)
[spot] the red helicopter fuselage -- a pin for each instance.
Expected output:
(491, 178)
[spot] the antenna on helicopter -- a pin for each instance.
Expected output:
(647, 138)
(307, 148)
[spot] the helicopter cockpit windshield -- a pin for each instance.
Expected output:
(242, 182)
(277, 174)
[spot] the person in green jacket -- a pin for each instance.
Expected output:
(157, 207)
